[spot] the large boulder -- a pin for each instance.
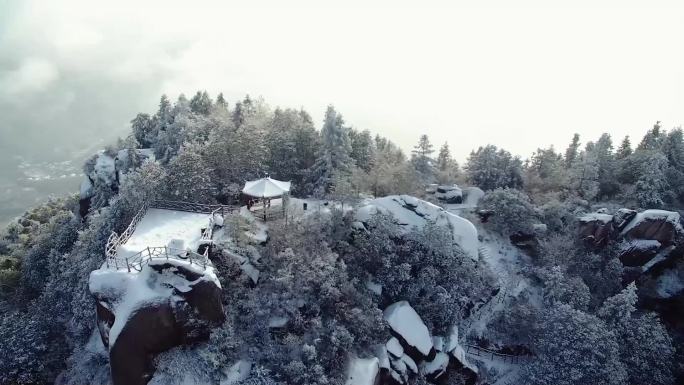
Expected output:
(449, 194)
(412, 349)
(411, 213)
(108, 170)
(643, 234)
(596, 228)
(638, 252)
(140, 314)
(659, 225)
(408, 328)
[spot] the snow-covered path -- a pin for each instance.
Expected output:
(504, 261)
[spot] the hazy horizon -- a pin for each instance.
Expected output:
(73, 74)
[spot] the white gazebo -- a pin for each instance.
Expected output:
(266, 189)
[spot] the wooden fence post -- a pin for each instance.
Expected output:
(128, 266)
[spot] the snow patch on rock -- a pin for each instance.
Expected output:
(411, 213)
(134, 290)
(362, 371)
(404, 321)
(667, 216)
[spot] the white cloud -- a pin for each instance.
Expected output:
(33, 75)
(516, 76)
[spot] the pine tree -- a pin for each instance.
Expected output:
(617, 310)
(334, 154)
(489, 168)
(572, 152)
(653, 138)
(221, 101)
(144, 130)
(444, 159)
(605, 160)
(624, 150)
(201, 103)
(647, 351)
(652, 185)
(585, 175)
(191, 179)
(238, 116)
(447, 167)
(363, 149)
(421, 157)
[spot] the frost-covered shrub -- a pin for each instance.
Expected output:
(561, 288)
(558, 216)
(573, 347)
(422, 267)
(512, 211)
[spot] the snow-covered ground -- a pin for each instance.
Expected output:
(159, 227)
(505, 261)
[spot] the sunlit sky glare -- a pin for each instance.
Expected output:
(519, 75)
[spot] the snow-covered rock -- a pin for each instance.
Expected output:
(140, 314)
(638, 252)
(449, 194)
(411, 213)
(435, 368)
(409, 329)
(393, 346)
(410, 364)
(472, 196)
(660, 225)
(362, 371)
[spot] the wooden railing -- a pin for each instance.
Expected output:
(269, 213)
(192, 207)
(115, 241)
(492, 355)
(141, 258)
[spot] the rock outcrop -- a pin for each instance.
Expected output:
(140, 314)
(107, 171)
(410, 213)
(643, 235)
(411, 350)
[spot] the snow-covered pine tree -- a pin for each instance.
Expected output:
(652, 185)
(653, 138)
(421, 157)
(585, 175)
(573, 347)
(333, 155)
(625, 149)
(201, 103)
(572, 152)
(191, 177)
(362, 149)
(447, 167)
(489, 168)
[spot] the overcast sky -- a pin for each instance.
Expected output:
(74, 72)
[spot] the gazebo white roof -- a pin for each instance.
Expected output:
(266, 188)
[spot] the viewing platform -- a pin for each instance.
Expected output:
(167, 229)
